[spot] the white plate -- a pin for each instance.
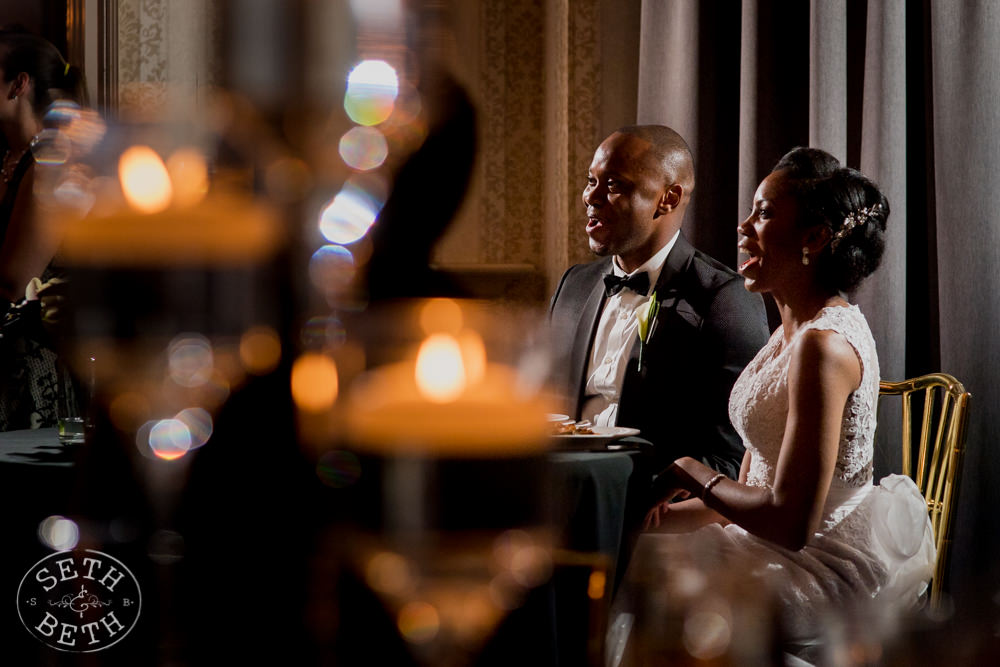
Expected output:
(555, 417)
(601, 436)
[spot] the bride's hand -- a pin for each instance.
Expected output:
(671, 484)
(658, 513)
(655, 515)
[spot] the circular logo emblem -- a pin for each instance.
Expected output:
(79, 601)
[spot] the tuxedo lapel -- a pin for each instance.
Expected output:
(583, 340)
(671, 277)
(668, 292)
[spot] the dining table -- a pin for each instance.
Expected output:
(26, 449)
(36, 481)
(594, 501)
(37, 476)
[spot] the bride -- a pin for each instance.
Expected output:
(804, 517)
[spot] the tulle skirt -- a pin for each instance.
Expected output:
(876, 544)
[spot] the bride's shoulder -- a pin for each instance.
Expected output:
(825, 353)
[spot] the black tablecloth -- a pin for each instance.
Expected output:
(37, 447)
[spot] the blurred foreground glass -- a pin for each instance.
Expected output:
(686, 603)
(439, 403)
(169, 253)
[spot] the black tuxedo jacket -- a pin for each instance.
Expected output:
(709, 327)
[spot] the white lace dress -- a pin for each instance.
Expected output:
(873, 542)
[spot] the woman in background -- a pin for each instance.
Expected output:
(32, 76)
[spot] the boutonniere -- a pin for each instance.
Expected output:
(646, 315)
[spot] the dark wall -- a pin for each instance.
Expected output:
(43, 17)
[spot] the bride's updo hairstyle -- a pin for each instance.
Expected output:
(849, 204)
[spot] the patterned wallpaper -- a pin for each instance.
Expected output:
(583, 133)
(538, 74)
(536, 81)
(142, 58)
(512, 129)
(164, 46)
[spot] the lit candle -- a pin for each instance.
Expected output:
(166, 215)
(449, 401)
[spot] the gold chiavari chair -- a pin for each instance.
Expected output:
(940, 423)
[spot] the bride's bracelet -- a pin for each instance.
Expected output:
(711, 483)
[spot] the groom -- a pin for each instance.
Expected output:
(674, 383)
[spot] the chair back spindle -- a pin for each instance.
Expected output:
(939, 452)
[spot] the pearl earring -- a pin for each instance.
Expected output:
(805, 256)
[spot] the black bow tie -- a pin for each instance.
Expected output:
(639, 283)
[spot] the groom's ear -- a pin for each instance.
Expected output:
(670, 199)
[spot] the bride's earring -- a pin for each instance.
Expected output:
(805, 256)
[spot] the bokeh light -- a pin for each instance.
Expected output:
(53, 148)
(260, 350)
(418, 622)
(349, 215)
(331, 268)
(189, 176)
(596, 584)
(169, 439)
(440, 373)
(74, 192)
(190, 360)
(61, 113)
(528, 562)
(707, 634)
(314, 382)
(199, 425)
(70, 130)
(363, 148)
(144, 179)
(338, 469)
(59, 533)
(372, 87)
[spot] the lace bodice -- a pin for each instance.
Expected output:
(758, 405)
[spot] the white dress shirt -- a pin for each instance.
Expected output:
(617, 331)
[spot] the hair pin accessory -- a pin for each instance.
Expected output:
(854, 219)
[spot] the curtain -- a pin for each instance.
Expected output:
(906, 92)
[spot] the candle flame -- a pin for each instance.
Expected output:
(440, 372)
(144, 178)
